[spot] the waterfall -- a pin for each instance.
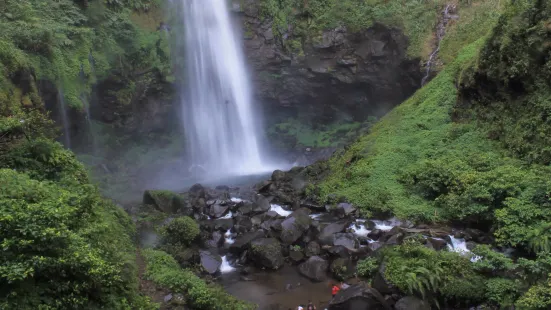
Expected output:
(64, 118)
(218, 118)
(225, 267)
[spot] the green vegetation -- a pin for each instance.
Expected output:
(471, 146)
(73, 44)
(419, 164)
(165, 271)
(442, 275)
(293, 133)
(448, 278)
(180, 231)
(64, 247)
(310, 18)
(416, 18)
(367, 267)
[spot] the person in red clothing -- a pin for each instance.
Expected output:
(335, 289)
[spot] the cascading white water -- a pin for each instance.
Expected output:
(218, 119)
(64, 119)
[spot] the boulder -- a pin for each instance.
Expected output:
(338, 251)
(278, 176)
(342, 268)
(295, 225)
(358, 297)
(345, 209)
(411, 303)
(216, 239)
(218, 210)
(197, 191)
(327, 232)
(210, 262)
(296, 255)
(348, 240)
(257, 220)
(242, 224)
(374, 246)
(242, 242)
(381, 284)
(163, 201)
(266, 252)
(375, 234)
(261, 204)
(222, 224)
(245, 208)
(437, 243)
(312, 249)
(314, 268)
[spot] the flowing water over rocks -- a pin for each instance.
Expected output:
(267, 243)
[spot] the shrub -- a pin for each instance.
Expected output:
(164, 270)
(63, 247)
(180, 231)
(367, 267)
(444, 276)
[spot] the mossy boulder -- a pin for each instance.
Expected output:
(266, 252)
(342, 268)
(165, 201)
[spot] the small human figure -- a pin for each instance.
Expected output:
(300, 307)
(335, 289)
(310, 306)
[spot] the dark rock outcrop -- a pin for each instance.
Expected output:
(312, 249)
(266, 252)
(348, 240)
(243, 242)
(343, 268)
(295, 225)
(210, 262)
(352, 73)
(163, 201)
(358, 297)
(315, 268)
(327, 232)
(381, 284)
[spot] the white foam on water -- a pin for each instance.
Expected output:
(460, 246)
(359, 229)
(236, 200)
(279, 210)
(227, 216)
(386, 225)
(226, 267)
(315, 216)
(227, 237)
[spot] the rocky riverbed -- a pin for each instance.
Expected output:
(270, 244)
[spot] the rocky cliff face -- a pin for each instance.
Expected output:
(334, 75)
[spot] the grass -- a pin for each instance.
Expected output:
(368, 173)
(327, 136)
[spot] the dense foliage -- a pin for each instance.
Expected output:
(180, 231)
(476, 153)
(63, 246)
(73, 44)
(164, 270)
(298, 21)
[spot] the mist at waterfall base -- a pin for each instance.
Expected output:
(220, 122)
